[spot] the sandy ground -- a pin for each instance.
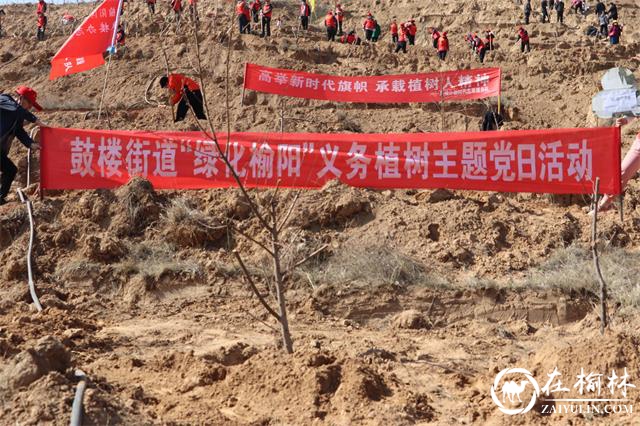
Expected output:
(418, 300)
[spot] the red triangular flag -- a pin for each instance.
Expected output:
(85, 48)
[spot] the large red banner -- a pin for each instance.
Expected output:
(402, 88)
(85, 48)
(547, 161)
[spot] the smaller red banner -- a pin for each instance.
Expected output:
(402, 88)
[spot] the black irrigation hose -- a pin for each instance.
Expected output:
(76, 410)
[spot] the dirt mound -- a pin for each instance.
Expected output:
(318, 384)
(137, 207)
(47, 355)
(335, 205)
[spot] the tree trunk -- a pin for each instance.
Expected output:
(277, 274)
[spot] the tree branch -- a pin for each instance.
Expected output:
(253, 240)
(289, 212)
(253, 286)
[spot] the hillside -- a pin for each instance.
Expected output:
(420, 297)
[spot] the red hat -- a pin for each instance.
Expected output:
(30, 95)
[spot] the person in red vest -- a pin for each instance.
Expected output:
(256, 8)
(443, 46)
(401, 44)
(305, 12)
(481, 48)
(120, 36)
(412, 30)
(42, 7)
(331, 23)
(193, 10)
(350, 38)
(489, 38)
(369, 26)
(394, 30)
(339, 14)
(243, 13)
(435, 36)
(42, 26)
(185, 92)
(151, 4)
(267, 10)
(176, 6)
(523, 36)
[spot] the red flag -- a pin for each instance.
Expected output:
(85, 48)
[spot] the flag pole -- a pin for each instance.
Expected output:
(499, 89)
(111, 50)
(104, 87)
(244, 83)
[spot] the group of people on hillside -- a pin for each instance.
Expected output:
(177, 7)
(545, 7)
(608, 22)
(256, 14)
(481, 46)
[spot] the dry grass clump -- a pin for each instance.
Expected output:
(369, 265)
(155, 261)
(186, 226)
(572, 268)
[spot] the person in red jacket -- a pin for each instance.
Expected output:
(339, 14)
(185, 92)
(267, 10)
(42, 26)
(193, 10)
(305, 12)
(615, 32)
(489, 39)
(369, 27)
(331, 23)
(401, 44)
(412, 30)
(151, 4)
(120, 36)
(481, 48)
(523, 36)
(42, 7)
(394, 31)
(435, 36)
(256, 8)
(243, 14)
(176, 6)
(443, 46)
(350, 38)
